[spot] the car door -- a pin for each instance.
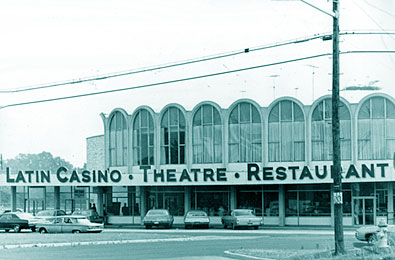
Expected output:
(56, 225)
(4, 221)
(67, 225)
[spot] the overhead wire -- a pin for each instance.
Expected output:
(167, 65)
(189, 78)
(182, 63)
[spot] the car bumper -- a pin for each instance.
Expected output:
(156, 223)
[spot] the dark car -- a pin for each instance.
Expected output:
(91, 214)
(51, 213)
(158, 217)
(17, 221)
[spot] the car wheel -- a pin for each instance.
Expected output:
(256, 227)
(76, 231)
(7, 230)
(43, 231)
(16, 228)
(372, 239)
(148, 226)
(186, 226)
(33, 229)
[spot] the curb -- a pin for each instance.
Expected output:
(246, 256)
(113, 242)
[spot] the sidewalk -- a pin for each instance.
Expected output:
(324, 230)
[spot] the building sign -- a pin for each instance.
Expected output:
(250, 173)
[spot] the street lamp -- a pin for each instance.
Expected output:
(274, 84)
(312, 80)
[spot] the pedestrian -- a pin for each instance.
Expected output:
(125, 210)
(94, 207)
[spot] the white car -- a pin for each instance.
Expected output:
(196, 218)
(241, 218)
(68, 224)
(368, 233)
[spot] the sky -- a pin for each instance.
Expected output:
(48, 41)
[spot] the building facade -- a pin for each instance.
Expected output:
(275, 160)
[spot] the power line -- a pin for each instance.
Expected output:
(167, 65)
(185, 62)
(187, 79)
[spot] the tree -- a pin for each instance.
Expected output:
(42, 161)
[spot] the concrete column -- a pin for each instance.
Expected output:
(233, 201)
(390, 204)
(13, 198)
(187, 199)
(281, 205)
(143, 202)
(332, 208)
(99, 206)
(56, 194)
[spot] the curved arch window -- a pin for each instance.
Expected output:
(173, 137)
(376, 129)
(321, 132)
(245, 134)
(286, 132)
(207, 135)
(143, 139)
(118, 140)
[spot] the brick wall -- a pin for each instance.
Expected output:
(95, 153)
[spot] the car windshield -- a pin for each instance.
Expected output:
(243, 213)
(45, 213)
(82, 221)
(197, 214)
(82, 212)
(157, 213)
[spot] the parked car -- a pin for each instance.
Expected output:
(8, 210)
(158, 217)
(91, 214)
(51, 213)
(368, 233)
(68, 224)
(17, 221)
(196, 218)
(241, 218)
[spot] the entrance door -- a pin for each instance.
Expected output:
(364, 210)
(69, 206)
(34, 206)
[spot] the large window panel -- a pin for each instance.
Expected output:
(376, 127)
(118, 140)
(173, 137)
(143, 138)
(245, 134)
(207, 135)
(286, 132)
(321, 131)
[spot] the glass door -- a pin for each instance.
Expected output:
(69, 207)
(364, 210)
(34, 206)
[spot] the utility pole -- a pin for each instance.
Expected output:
(336, 169)
(337, 179)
